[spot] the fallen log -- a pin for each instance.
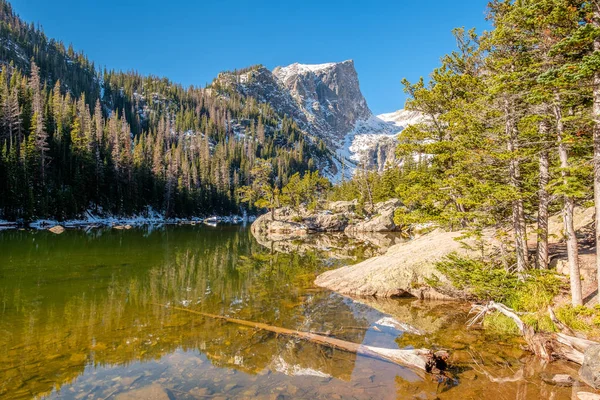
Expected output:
(420, 359)
(547, 345)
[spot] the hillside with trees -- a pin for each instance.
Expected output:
(74, 138)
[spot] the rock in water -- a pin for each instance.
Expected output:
(286, 222)
(326, 222)
(559, 380)
(590, 369)
(150, 392)
(57, 229)
(406, 269)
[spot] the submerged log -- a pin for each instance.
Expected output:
(420, 359)
(547, 345)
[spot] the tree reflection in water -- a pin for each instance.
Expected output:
(78, 320)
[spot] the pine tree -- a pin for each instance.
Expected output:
(37, 128)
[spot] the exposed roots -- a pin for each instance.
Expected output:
(547, 345)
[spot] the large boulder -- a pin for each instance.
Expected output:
(286, 227)
(382, 219)
(334, 218)
(590, 369)
(582, 218)
(326, 222)
(346, 207)
(269, 229)
(406, 269)
(260, 226)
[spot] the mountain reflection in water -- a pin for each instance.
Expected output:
(78, 320)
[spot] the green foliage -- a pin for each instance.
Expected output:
(539, 321)
(483, 280)
(577, 318)
(536, 292)
(488, 281)
(500, 325)
(304, 190)
(146, 142)
(368, 185)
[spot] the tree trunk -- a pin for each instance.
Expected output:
(420, 359)
(596, 160)
(542, 220)
(368, 189)
(518, 214)
(569, 205)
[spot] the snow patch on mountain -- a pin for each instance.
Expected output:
(365, 133)
(284, 73)
(372, 142)
(403, 118)
(367, 145)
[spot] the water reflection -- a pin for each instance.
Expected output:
(78, 320)
(85, 299)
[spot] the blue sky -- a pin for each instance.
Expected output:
(191, 41)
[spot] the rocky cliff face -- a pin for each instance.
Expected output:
(326, 102)
(328, 95)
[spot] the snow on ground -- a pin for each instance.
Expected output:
(7, 225)
(362, 143)
(150, 217)
(344, 167)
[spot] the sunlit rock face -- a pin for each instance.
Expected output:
(328, 95)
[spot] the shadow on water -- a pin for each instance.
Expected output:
(77, 321)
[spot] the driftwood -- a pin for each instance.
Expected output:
(419, 359)
(547, 345)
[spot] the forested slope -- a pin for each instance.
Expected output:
(74, 138)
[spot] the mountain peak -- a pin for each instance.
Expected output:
(283, 73)
(325, 101)
(328, 95)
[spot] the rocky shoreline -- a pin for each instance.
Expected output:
(409, 269)
(338, 216)
(403, 269)
(406, 268)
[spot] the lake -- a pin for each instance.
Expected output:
(91, 315)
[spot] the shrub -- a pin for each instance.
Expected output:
(485, 281)
(531, 294)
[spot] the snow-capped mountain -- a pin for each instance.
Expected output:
(326, 102)
(328, 95)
